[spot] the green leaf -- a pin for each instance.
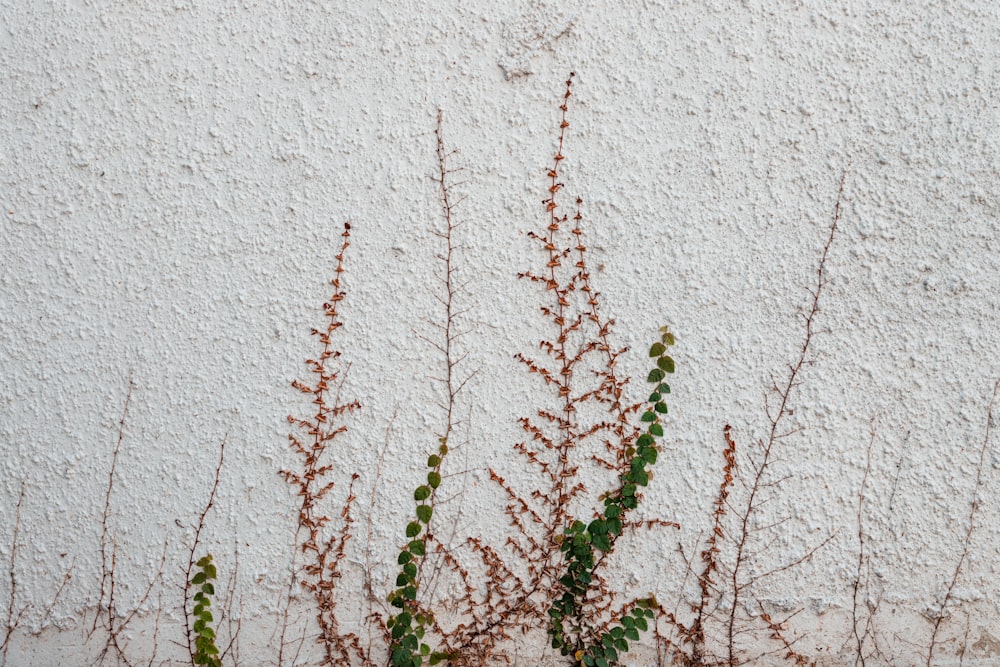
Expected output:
(611, 654)
(597, 527)
(663, 388)
(425, 649)
(424, 513)
(410, 593)
(602, 542)
(401, 657)
(204, 560)
(655, 375)
(645, 440)
(398, 631)
(668, 338)
(661, 407)
(630, 502)
(666, 364)
(434, 479)
(417, 547)
(612, 511)
(628, 490)
(206, 616)
(621, 645)
(422, 493)
(411, 642)
(210, 571)
(208, 589)
(632, 634)
(198, 578)
(404, 619)
(647, 416)
(433, 461)
(404, 557)
(640, 622)
(656, 429)
(617, 632)
(198, 626)
(615, 526)
(657, 349)
(410, 570)
(601, 662)
(413, 529)
(199, 596)
(653, 398)
(402, 580)
(649, 455)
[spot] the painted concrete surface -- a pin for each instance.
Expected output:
(175, 177)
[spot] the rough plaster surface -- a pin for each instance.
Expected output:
(174, 179)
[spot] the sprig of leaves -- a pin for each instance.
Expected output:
(581, 541)
(206, 652)
(408, 627)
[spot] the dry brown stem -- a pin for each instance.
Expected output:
(942, 611)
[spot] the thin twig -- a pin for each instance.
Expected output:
(967, 541)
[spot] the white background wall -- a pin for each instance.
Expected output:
(175, 175)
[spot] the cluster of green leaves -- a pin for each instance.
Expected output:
(582, 541)
(409, 626)
(205, 650)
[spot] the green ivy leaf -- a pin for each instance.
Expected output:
(663, 388)
(413, 529)
(656, 429)
(640, 622)
(645, 440)
(661, 407)
(653, 398)
(597, 527)
(422, 493)
(602, 542)
(424, 513)
(649, 455)
(417, 547)
(404, 557)
(655, 375)
(657, 349)
(632, 634)
(204, 560)
(198, 578)
(647, 416)
(666, 364)
(208, 589)
(434, 479)
(210, 572)
(433, 461)
(410, 570)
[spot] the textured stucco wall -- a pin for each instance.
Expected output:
(175, 176)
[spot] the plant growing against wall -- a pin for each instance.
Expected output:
(205, 651)
(563, 590)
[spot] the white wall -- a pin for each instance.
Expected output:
(175, 176)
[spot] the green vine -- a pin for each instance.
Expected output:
(408, 627)
(205, 650)
(581, 541)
